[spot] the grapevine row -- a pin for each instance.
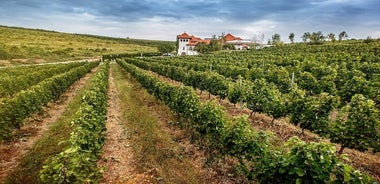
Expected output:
(77, 163)
(259, 158)
(21, 70)
(15, 109)
(343, 79)
(12, 84)
(308, 112)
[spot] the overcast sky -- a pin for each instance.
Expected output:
(164, 19)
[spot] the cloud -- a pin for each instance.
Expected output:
(151, 19)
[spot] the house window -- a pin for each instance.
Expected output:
(190, 48)
(183, 48)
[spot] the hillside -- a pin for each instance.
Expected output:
(21, 45)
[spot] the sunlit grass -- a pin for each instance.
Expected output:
(19, 45)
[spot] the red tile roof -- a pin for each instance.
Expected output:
(193, 41)
(230, 37)
(183, 36)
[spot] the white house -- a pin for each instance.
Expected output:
(187, 43)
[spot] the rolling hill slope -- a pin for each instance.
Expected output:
(21, 45)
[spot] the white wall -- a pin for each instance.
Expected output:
(183, 48)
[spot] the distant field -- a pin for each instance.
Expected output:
(20, 46)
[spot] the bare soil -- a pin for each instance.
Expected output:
(13, 150)
(118, 157)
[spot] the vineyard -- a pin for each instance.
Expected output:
(307, 91)
(290, 114)
(16, 106)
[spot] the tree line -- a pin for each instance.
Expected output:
(311, 38)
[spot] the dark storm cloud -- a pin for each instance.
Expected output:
(308, 15)
(139, 9)
(239, 10)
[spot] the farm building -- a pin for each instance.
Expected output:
(187, 43)
(237, 42)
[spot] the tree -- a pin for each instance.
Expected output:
(291, 37)
(342, 35)
(369, 40)
(257, 39)
(222, 40)
(165, 48)
(316, 37)
(276, 39)
(331, 37)
(269, 41)
(305, 37)
(357, 125)
(261, 37)
(202, 48)
(215, 44)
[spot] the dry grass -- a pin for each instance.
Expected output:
(28, 46)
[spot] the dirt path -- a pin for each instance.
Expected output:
(143, 145)
(117, 155)
(12, 151)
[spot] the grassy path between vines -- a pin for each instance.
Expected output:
(283, 130)
(42, 136)
(142, 146)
